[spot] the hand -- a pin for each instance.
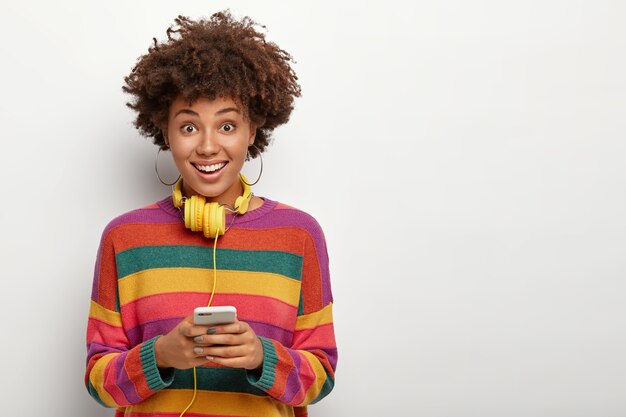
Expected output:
(233, 345)
(176, 349)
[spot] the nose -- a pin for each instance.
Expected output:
(208, 144)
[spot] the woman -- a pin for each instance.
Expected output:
(211, 94)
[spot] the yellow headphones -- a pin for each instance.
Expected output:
(209, 218)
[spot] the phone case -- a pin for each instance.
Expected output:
(214, 315)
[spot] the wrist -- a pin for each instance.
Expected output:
(158, 354)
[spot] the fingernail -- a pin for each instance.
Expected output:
(198, 339)
(211, 331)
(210, 358)
(197, 350)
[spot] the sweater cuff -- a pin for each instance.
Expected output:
(264, 378)
(157, 379)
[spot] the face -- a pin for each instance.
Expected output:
(209, 141)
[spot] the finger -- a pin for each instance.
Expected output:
(224, 339)
(193, 330)
(227, 351)
(236, 327)
(238, 362)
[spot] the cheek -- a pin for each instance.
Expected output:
(179, 155)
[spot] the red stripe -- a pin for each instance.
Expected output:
(135, 373)
(322, 336)
(300, 411)
(283, 367)
(286, 239)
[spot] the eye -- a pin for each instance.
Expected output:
(228, 127)
(188, 128)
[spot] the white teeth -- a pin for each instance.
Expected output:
(210, 168)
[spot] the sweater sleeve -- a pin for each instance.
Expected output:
(117, 373)
(304, 372)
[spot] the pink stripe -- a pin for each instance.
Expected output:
(181, 304)
(151, 308)
(101, 332)
(318, 337)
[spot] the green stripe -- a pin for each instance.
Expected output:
(265, 378)
(176, 256)
(215, 379)
(301, 305)
(155, 380)
(94, 393)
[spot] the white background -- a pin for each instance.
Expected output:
(466, 160)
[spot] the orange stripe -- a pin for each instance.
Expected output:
(107, 275)
(133, 368)
(311, 279)
(283, 367)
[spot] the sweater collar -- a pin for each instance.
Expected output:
(167, 205)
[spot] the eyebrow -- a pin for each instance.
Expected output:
(217, 113)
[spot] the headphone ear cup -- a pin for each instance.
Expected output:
(241, 204)
(214, 220)
(220, 219)
(188, 203)
(243, 201)
(177, 194)
(198, 210)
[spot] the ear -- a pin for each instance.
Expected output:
(252, 134)
(167, 142)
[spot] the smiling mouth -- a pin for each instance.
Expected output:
(210, 169)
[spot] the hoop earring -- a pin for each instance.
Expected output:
(261, 172)
(156, 169)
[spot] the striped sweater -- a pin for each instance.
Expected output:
(151, 272)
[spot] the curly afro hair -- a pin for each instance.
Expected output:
(218, 57)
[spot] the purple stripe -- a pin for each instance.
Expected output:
(271, 332)
(331, 354)
(293, 385)
(123, 381)
(96, 270)
(94, 348)
(146, 331)
(143, 215)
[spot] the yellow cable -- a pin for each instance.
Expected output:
(214, 267)
(194, 394)
(195, 381)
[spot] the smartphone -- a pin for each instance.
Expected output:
(214, 315)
